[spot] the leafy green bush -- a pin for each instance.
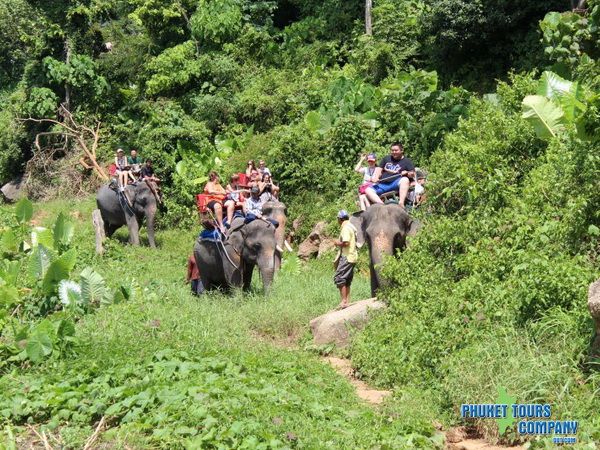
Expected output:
(35, 282)
(492, 291)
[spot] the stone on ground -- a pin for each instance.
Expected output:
(334, 327)
(13, 190)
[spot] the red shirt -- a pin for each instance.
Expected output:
(192, 269)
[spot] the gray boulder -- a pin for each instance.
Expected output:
(13, 190)
(594, 307)
(335, 326)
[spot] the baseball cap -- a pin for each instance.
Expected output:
(371, 157)
(254, 190)
(343, 214)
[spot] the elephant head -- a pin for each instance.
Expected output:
(384, 229)
(259, 247)
(116, 212)
(277, 211)
(231, 263)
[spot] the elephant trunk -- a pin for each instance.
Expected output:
(266, 264)
(381, 245)
(150, 214)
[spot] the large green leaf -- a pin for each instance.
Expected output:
(312, 119)
(9, 271)
(93, 287)
(568, 94)
(551, 85)
(39, 261)
(39, 346)
(8, 296)
(547, 118)
(58, 270)
(63, 231)
(24, 210)
(9, 242)
(41, 235)
(69, 293)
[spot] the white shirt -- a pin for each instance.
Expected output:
(368, 173)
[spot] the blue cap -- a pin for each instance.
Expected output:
(343, 214)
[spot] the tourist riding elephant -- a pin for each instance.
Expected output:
(230, 263)
(384, 228)
(276, 210)
(116, 212)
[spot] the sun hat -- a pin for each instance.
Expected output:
(343, 214)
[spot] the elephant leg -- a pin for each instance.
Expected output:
(134, 229)
(150, 213)
(109, 229)
(247, 276)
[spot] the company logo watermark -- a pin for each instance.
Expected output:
(532, 419)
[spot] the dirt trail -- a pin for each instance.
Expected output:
(344, 367)
(456, 438)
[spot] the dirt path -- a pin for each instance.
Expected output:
(456, 438)
(344, 367)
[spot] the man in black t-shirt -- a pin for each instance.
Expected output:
(147, 172)
(393, 173)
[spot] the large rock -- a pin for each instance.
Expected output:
(334, 326)
(13, 190)
(594, 307)
(310, 246)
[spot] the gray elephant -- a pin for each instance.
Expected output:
(276, 210)
(116, 212)
(384, 228)
(230, 263)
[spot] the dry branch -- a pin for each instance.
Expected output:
(93, 437)
(79, 132)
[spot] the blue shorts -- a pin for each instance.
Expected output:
(383, 188)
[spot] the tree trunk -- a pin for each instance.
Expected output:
(99, 228)
(67, 85)
(368, 17)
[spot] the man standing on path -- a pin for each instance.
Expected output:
(346, 258)
(394, 173)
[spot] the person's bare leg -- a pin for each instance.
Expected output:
(219, 215)
(361, 202)
(230, 210)
(372, 196)
(345, 294)
(403, 190)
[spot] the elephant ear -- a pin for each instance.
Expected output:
(356, 219)
(414, 227)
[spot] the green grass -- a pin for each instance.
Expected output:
(170, 370)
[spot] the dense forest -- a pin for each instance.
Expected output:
(497, 100)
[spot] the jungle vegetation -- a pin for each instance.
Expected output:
(497, 100)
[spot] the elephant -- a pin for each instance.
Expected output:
(230, 262)
(116, 212)
(276, 210)
(384, 228)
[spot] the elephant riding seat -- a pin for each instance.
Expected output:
(116, 210)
